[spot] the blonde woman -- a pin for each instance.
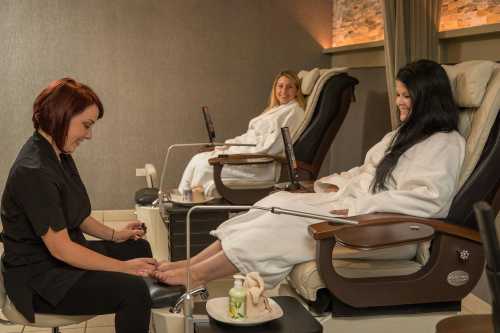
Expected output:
(286, 108)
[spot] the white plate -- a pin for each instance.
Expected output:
(175, 197)
(218, 309)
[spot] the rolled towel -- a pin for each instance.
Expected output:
(257, 303)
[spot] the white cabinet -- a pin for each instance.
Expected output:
(157, 232)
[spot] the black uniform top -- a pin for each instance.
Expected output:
(40, 192)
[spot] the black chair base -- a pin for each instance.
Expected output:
(326, 302)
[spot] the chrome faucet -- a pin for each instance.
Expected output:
(202, 291)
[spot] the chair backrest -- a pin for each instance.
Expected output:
(480, 124)
(330, 105)
(490, 237)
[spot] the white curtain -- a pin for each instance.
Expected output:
(411, 33)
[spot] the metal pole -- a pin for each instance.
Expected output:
(161, 195)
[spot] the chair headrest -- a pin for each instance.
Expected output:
(309, 78)
(475, 123)
(469, 80)
(313, 82)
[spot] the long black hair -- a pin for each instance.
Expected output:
(433, 110)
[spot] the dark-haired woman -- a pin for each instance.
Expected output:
(413, 170)
(48, 265)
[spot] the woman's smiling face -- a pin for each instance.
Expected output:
(286, 90)
(80, 128)
(403, 101)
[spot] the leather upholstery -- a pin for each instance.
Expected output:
(305, 278)
(163, 295)
(313, 135)
(480, 177)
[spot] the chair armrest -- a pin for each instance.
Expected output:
(245, 159)
(327, 229)
(375, 236)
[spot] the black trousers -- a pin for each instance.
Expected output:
(100, 292)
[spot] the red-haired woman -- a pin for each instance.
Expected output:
(49, 266)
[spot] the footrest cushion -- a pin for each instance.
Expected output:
(163, 295)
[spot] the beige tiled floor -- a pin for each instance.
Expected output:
(105, 324)
(99, 324)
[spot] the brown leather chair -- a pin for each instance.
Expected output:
(441, 275)
(327, 106)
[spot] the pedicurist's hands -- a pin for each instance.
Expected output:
(339, 212)
(139, 266)
(133, 230)
(163, 265)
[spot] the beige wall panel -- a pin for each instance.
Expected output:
(371, 57)
(485, 47)
(153, 63)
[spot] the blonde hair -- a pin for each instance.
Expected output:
(273, 101)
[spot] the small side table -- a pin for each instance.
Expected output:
(295, 319)
(466, 324)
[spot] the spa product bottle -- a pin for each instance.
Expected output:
(237, 299)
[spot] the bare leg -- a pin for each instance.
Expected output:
(213, 267)
(206, 253)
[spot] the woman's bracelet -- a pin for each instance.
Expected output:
(113, 235)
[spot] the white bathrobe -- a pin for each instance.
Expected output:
(425, 182)
(264, 131)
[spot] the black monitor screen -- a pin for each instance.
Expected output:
(290, 156)
(208, 124)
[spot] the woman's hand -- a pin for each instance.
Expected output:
(133, 230)
(343, 212)
(139, 266)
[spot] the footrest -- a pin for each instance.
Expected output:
(163, 295)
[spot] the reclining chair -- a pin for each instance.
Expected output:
(329, 94)
(444, 270)
(482, 323)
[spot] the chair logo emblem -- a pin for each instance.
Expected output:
(458, 278)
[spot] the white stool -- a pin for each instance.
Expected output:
(53, 321)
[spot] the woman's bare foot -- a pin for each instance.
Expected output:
(169, 265)
(177, 277)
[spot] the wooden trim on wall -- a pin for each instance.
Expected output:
(469, 32)
(481, 42)
(354, 47)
